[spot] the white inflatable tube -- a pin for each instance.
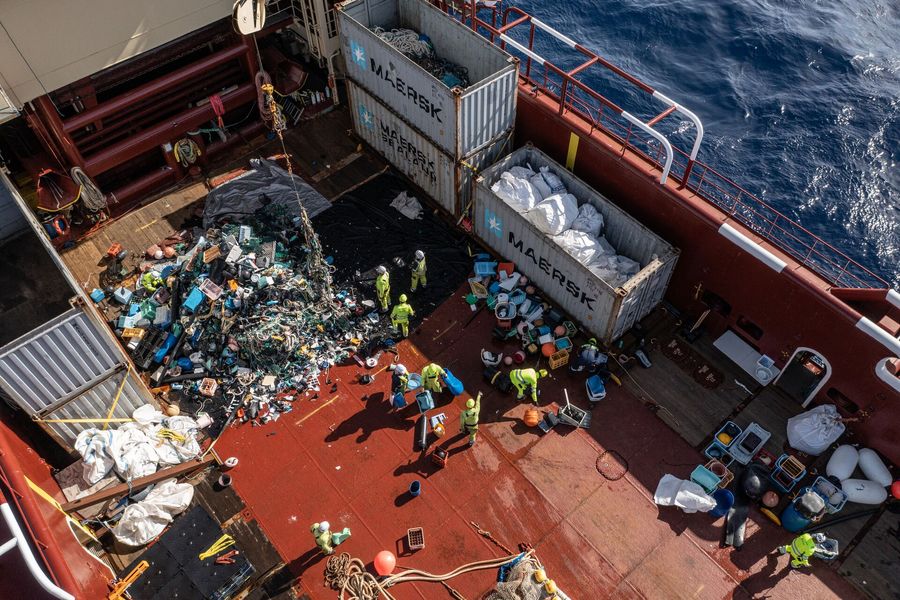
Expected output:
(863, 491)
(843, 462)
(873, 467)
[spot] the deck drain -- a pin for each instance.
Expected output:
(612, 465)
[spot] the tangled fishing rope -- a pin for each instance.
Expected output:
(420, 50)
(349, 577)
(94, 200)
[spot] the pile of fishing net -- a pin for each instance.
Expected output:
(418, 48)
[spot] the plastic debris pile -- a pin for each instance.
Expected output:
(543, 199)
(239, 321)
(418, 48)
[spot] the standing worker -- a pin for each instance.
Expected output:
(524, 379)
(399, 385)
(431, 378)
(401, 314)
(468, 419)
(418, 271)
(383, 288)
(800, 550)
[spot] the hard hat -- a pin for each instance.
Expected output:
(470, 403)
(400, 369)
(419, 255)
(380, 270)
(592, 341)
(324, 526)
(402, 297)
(542, 373)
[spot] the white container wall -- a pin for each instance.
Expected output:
(459, 121)
(605, 311)
(448, 182)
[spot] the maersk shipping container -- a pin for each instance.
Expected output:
(605, 311)
(458, 120)
(449, 182)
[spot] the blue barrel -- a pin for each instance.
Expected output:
(453, 384)
(415, 488)
(792, 520)
(724, 500)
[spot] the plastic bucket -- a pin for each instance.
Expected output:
(414, 381)
(415, 488)
(724, 500)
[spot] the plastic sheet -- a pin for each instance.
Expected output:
(686, 495)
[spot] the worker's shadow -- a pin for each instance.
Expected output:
(766, 579)
(374, 416)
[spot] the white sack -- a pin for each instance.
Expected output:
(521, 172)
(134, 452)
(173, 452)
(606, 268)
(589, 220)
(143, 521)
(540, 185)
(555, 214)
(685, 494)
(408, 206)
(519, 193)
(606, 246)
(815, 430)
(580, 245)
(548, 182)
(627, 267)
(94, 445)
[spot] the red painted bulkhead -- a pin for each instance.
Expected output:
(793, 307)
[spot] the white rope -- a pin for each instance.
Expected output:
(93, 198)
(406, 41)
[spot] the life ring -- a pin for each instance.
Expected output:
(58, 225)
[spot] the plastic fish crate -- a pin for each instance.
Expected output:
(415, 537)
(559, 359)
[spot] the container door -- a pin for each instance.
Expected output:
(69, 368)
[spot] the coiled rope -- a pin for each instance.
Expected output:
(420, 50)
(94, 200)
(407, 41)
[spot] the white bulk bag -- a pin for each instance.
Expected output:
(555, 214)
(813, 431)
(521, 172)
(519, 193)
(627, 267)
(605, 246)
(579, 244)
(589, 220)
(143, 521)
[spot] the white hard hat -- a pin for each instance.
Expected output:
(400, 369)
(380, 270)
(324, 526)
(419, 255)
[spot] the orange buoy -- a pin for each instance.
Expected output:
(559, 331)
(548, 349)
(532, 417)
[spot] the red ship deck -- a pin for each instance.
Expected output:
(342, 457)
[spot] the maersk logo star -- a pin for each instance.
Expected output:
(495, 225)
(358, 53)
(365, 117)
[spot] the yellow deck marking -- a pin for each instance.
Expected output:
(573, 150)
(320, 407)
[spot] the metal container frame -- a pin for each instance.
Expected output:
(605, 311)
(447, 181)
(458, 120)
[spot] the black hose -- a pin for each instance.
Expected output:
(830, 522)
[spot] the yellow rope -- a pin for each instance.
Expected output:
(220, 544)
(115, 403)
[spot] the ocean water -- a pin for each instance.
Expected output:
(800, 99)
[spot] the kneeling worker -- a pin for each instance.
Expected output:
(401, 314)
(468, 419)
(523, 379)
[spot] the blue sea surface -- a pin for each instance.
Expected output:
(800, 99)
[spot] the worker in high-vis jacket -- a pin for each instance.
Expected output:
(801, 549)
(418, 271)
(383, 288)
(400, 316)
(525, 379)
(325, 540)
(468, 419)
(431, 378)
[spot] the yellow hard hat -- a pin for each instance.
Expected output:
(470, 403)
(402, 297)
(542, 373)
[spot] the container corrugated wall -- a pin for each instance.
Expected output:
(12, 221)
(448, 182)
(459, 121)
(605, 311)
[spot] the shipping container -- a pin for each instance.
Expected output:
(448, 182)
(12, 221)
(459, 121)
(68, 372)
(605, 311)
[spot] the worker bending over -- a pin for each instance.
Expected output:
(468, 419)
(801, 549)
(383, 288)
(431, 378)
(400, 316)
(523, 379)
(418, 271)
(325, 540)
(589, 357)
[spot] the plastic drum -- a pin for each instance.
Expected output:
(792, 520)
